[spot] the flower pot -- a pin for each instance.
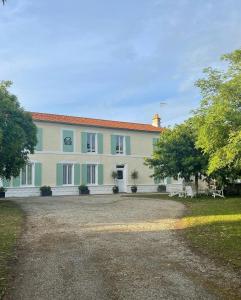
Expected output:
(2, 194)
(84, 192)
(46, 193)
(134, 189)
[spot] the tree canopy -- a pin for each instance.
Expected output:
(17, 133)
(176, 154)
(218, 120)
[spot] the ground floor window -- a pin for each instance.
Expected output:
(27, 174)
(91, 174)
(68, 174)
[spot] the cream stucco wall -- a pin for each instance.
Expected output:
(141, 147)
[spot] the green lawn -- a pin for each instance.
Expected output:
(212, 227)
(11, 220)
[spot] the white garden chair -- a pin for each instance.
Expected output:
(189, 191)
(218, 193)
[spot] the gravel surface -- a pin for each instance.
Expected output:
(110, 247)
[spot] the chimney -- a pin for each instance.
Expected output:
(156, 121)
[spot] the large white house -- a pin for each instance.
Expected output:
(73, 150)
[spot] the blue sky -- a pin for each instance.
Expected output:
(114, 59)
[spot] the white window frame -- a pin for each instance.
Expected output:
(67, 173)
(96, 174)
(32, 179)
(91, 145)
(118, 137)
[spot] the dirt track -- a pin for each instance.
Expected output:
(108, 247)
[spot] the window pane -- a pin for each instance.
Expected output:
(93, 174)
(88, 174)
(69, 174)
(88, 142)
(121, 144)
(24, 175)
(93, 142)
(64, 174)
(29, 174)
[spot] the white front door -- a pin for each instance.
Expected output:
(121, 178)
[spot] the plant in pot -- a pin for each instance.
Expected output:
(161, 188)
(2, 192)
(134, 176)
(83, 190)
(45, 191)
(115, 188)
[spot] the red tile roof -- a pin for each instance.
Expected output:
(93, 122)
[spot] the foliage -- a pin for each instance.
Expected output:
(45, 188)
(83, 188)
(17, 133)
(134, 176)
(176, 154)
(2, 189)
(218, 120)
(114, 175)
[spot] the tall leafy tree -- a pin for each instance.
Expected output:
(17, 133)
(176, 154)
(218, 120)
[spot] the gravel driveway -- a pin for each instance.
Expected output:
(109, 247)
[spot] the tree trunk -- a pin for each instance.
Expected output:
(196, 183)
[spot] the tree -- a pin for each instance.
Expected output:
(218, 120)
(17, 133)
(176, 155)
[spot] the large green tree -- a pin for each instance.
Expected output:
(176, 154)
(218, 120)
(17, 133)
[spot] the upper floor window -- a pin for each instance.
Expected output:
(67, 174)
(120, 144)
(91, 174)
(27, 175)
(91, 142)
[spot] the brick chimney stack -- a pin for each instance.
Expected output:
(156, 121)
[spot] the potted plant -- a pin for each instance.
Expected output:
(45, 191)
(83, 190)
(134, 176)
(161, 188)
(115, 188)
(2, 192)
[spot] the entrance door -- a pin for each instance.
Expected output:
(121, 178)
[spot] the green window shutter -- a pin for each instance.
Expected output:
(113, 144)
(6, 183)
(157, 180)
(76, 174)
(154, 143)
(84, 142)
(59, 174)
(84, 174)
(100, 174)
(169, 179)
(68, 141)
(16, 181)
(128, 145)
(39, 146)
(38, 174)
(100, 143)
